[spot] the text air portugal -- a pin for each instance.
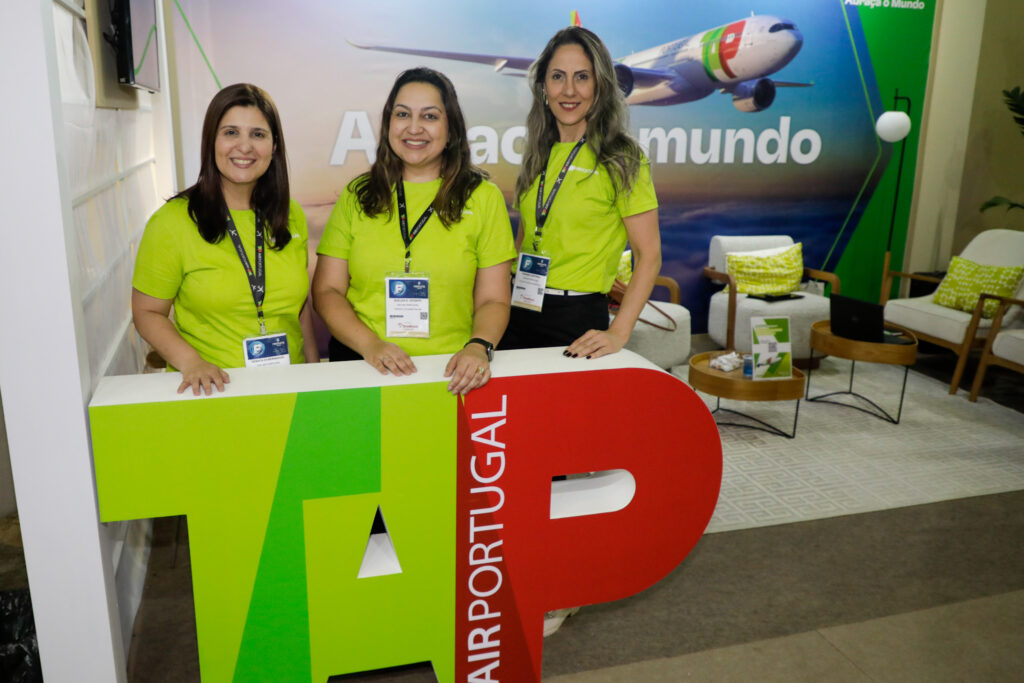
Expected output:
(514, 562)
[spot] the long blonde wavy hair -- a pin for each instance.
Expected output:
(607, 121)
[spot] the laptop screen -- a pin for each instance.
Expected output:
(856, 319)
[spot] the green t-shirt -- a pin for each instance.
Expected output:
(213, 305)
(584, 234)
(451, 256)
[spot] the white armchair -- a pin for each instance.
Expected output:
(1003, 347)
(662, 339)
(958, 330)
(729, 312)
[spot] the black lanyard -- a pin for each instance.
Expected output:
(403, 223)
(257, 278)
(543, 207)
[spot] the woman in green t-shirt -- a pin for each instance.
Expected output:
(422, 217)
(597, 193)
(203, 254)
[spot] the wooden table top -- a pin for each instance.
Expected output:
(733, 385)
(824, 341)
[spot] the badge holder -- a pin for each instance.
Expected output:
(407, 305)
(531, 280)
(266, 350)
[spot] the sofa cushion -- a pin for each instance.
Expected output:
(727, 244)
(803, 312)
(767, 271)
(966, 281)
(922, 314)
(1009, 344)
(664, 348)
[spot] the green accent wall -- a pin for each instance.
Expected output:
(901, 42)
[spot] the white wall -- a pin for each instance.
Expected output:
(994, 163)
(956, 49)
(79, 184)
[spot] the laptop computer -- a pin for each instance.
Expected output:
(862, 321)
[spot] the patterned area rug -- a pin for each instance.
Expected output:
(843, 461)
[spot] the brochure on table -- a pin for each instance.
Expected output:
(772, 348)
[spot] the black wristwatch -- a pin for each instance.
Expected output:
(488, 346)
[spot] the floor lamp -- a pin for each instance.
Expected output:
(893, 126)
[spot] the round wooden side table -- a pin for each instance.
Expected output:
(733, 385)
(826, 342)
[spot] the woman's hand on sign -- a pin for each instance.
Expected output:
(202, 376)
(389, 358)
(468, 369)
(595, 343)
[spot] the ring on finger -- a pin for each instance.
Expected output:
(480, 371)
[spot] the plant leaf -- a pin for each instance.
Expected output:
(1015, 102)
(1000, 201)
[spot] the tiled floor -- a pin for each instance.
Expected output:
(844, 461)
(976, 640)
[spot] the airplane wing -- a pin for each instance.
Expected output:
(649, 78)
(788, 84)
(499, 62)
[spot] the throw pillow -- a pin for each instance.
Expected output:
(765, 272)
(965, 282)
(625, 271)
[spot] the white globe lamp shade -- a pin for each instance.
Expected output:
(893, 126)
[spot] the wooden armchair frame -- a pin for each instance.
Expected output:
(987, 357)
(963, 347)
(888, 277)
(671, 285)
(720, 276)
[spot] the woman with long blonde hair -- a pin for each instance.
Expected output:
(584, 190)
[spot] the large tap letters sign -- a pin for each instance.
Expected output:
(280, 485)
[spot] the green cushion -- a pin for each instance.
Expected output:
(777, 273)
(965, 281)
(625, 270)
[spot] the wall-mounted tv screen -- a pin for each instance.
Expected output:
(138, 63)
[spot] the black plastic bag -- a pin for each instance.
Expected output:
(19, 650)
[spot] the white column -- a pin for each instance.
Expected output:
(956, 48)
(42, 367)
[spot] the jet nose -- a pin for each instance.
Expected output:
(795, 41)
(787, 44)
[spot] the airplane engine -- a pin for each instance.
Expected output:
(624, 75)
(754, 96)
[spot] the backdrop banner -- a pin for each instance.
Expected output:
(757, 118)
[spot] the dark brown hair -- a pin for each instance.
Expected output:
(459, 177)
(270, 198)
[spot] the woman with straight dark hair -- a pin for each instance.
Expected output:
(584, 190)
(228, 254)
(415, 256)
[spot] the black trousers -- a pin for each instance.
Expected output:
(560, 323)
(338, 351)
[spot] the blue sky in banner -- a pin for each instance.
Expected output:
(299, 52)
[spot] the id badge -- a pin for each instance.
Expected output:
(531, 279)
(407, 305)
(265, 350)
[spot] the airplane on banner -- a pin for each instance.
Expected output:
(736, 59)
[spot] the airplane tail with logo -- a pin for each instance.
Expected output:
(574, 18)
